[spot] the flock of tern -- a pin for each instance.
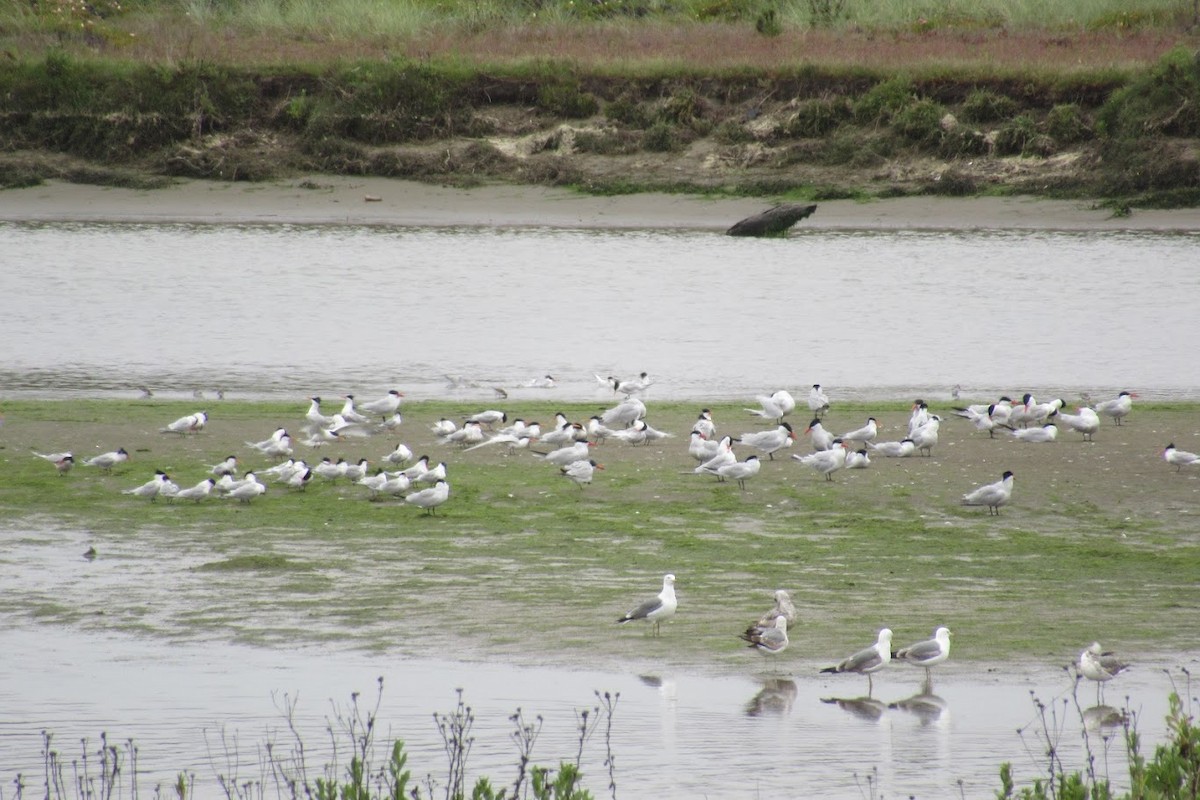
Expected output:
(427, 487)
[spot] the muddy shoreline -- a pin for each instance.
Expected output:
(331, 200)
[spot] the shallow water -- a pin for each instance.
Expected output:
(284, 310)
(207, 709)
(281, 311)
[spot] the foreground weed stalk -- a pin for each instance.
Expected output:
(525, 736)
(455, 729)
(609, 703)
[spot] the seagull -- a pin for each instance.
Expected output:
(865, 434)
(928, 653)
(192, 423)
(581, 471)
(659, 608)
(1118, 407)
(1086, 422)
(857, 459)
(429, 499)
(226, 467)
(1097, 665)
(821, 438)
(783, 609)
(384, 406)
(61, 461)
(818, 401)
(774, 407)
(826, 462)
(248, 489)
(150, 488)
(901, 449)
(993, 495)
(868, 661)
(1046, 433)
(770, 640)
(1173, 455)
(198, 492)
(770, 441)
(741, 471)
(106, 461)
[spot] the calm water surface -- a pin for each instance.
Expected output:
(99, 310)
(286, 310)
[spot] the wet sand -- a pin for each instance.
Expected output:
(381, 201)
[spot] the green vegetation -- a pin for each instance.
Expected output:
(1098, 536)
(783, 96)
(1172, 774)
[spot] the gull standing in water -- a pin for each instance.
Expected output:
(1095, 664)
(928, 653)
(868, 661)
(770, 640)
(783, 609)
(657, 609)
(993, 495)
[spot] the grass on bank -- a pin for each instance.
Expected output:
(1098, 538)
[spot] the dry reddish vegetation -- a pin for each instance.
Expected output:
(698, 46)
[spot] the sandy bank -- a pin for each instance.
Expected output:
(378, 201)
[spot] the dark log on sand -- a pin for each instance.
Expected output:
(773, 222)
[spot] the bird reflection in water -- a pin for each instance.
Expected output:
(925, 706)
(1103, 716)
(867, 708)
(777, 696)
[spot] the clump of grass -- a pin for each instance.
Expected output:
(982, 105)
(884, 101)
(818, 117)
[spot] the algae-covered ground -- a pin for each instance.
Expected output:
(1099, 542)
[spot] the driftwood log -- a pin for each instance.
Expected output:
(773, 222)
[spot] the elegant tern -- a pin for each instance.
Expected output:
(818, 401)
(198, 492)
(1086, 422)
(384, 406)
(821, 438)
(1048, 432)
(993, 495)
(863, 435)
(828, 461)
(192, 423)
(770, 441)
(1117, 408)
(740, 471)
(106, 461)
(901, 449)
(63, 462)
(1180, 458)
(429, 499)
(150, 488)
(581, 471)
